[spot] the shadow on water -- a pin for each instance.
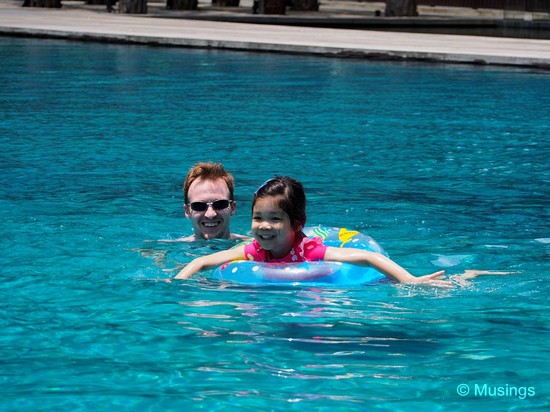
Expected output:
(363, 340)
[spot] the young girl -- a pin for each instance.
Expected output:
(278, 216)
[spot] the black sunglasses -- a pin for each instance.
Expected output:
(216, 204)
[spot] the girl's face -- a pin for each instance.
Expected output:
(272, 228)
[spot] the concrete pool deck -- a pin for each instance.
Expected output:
(75, 21)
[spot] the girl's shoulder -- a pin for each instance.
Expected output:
(311, 248)
(253, 251)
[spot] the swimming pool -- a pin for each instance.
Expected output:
(446, 166)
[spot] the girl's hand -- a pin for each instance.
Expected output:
(211, 261)
(183, 274)
(433, 280)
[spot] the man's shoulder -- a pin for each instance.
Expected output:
(193, 238)
(179, 239)
(240, 237)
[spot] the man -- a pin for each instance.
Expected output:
(209, 201)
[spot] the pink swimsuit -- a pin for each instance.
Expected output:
(305, 249)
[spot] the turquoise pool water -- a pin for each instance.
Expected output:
(446, 166)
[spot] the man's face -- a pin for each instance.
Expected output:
(210, 223)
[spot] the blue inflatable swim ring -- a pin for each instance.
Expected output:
(308, 273)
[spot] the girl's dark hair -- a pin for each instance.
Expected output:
(292, 198)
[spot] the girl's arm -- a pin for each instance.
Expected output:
(381, 263)
(211, 261)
